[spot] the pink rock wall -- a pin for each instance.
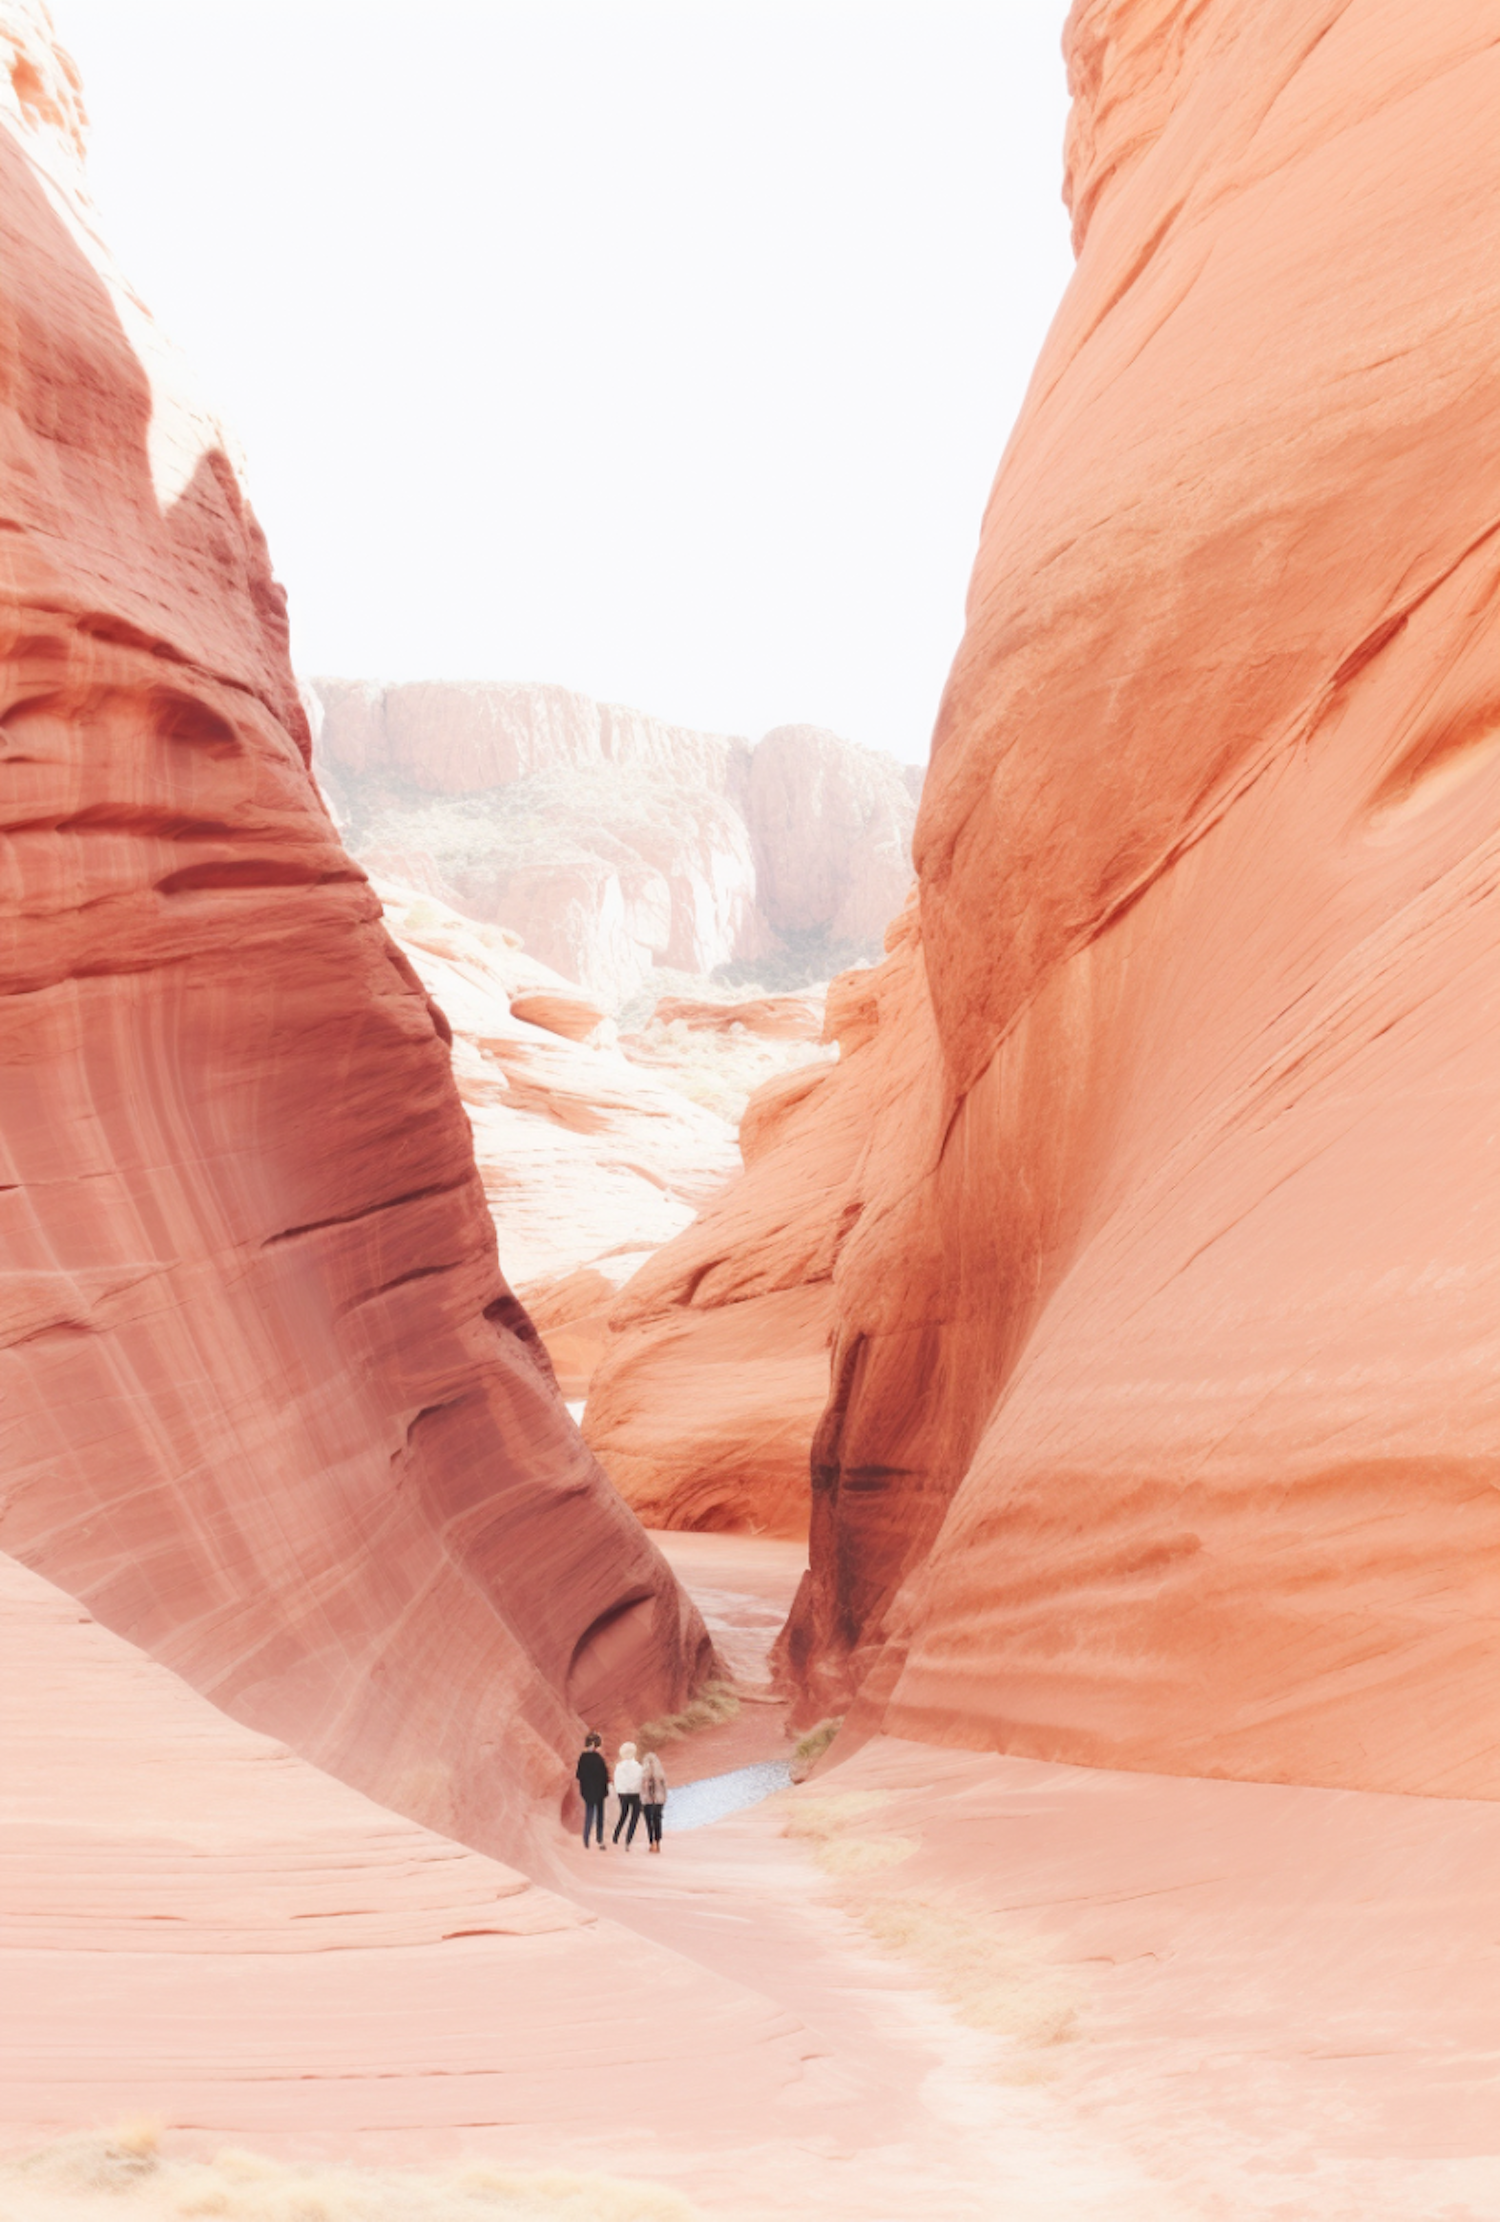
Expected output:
(266, 1403)
(585, 1158)
(1155, 1192)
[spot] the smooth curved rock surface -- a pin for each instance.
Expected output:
(1156, 1185)
(703, 1421)
(266, 1403)
(1270, 1998)
(202, 1928)
(614, 844)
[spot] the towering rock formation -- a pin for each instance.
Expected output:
(266, 1403)
(1153, 1204)
(613, 843)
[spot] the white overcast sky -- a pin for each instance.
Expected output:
(663, 348)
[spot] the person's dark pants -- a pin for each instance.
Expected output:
(593, 1816)
(653, 1815)
(630, 1810)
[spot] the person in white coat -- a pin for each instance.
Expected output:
(627, 1788)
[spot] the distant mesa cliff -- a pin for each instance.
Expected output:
(1133, 1279)
(614, 844)
(267, 1404)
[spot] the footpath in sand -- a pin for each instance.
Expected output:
(927, 1986)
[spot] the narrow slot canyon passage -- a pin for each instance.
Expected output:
(485, 1165)
(897, 2107)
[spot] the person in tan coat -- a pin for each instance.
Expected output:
(653, 1798)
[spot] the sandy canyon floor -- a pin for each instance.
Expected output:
(925, 1985)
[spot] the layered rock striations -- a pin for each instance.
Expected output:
(1153, 1206)
(613, 844)
(266, 1403)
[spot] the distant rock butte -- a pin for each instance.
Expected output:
(1152, 1210)
(266, 1403)
(612, 843)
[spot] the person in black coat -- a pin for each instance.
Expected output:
(593, 1787)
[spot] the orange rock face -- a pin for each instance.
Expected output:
(715, 1374)
(1156, 1192)
(265, 1401)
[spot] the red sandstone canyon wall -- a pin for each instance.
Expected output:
(266, 1403)
(1153, 1209)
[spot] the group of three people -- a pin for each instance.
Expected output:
(640, 1786)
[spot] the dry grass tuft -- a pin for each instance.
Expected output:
(817, 1740)
(818, 1820)
(714, 1703)
(138, 2135)
(995, 1976)
(853, 1858)
(81, 2179)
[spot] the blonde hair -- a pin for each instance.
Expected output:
(627, 1751)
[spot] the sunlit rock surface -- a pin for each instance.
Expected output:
(266, 1403)
(613, 844)
(722, 1049)
(1154, 1200)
